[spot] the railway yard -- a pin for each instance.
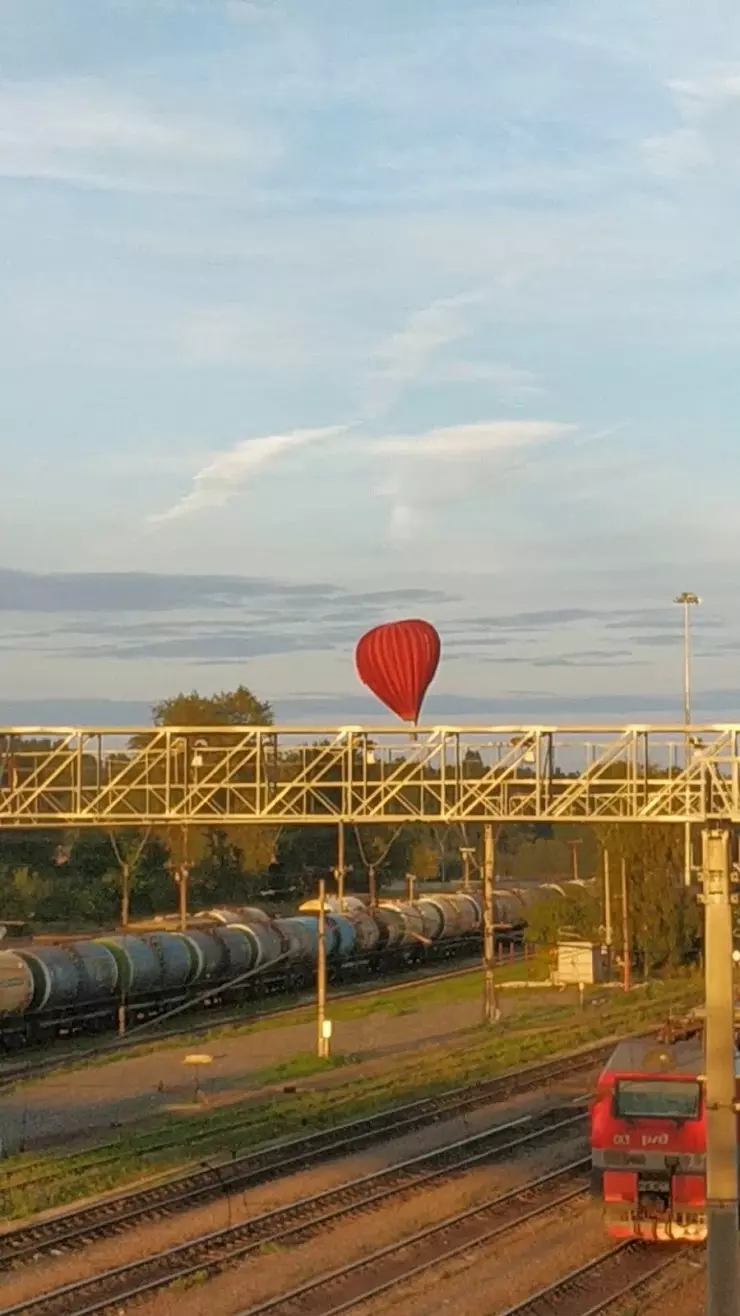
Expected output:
(383, 1185)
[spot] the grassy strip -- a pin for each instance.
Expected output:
(249, 1124)
(395, 1001)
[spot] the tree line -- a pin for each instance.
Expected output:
(92, 878)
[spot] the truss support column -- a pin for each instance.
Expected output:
(723, 1270)
(491, 1013)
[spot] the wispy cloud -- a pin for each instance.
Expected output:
(468, 442)
(403, 358)
(708, 107)
(510, 381)
(80, 131)
(445, 464)
(217, 483)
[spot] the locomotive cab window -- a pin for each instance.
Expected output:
(674, 1099)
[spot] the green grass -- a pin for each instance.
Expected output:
(192, 1137)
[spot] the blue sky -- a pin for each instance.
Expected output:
(319, 314)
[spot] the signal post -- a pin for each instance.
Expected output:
(723, 1270)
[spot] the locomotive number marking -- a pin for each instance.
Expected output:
(654, 1139)
(621, 1139)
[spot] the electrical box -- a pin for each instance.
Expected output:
(578, 962)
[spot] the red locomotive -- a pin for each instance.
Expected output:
(648, 1141)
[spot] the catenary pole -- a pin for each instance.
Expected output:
(321, 1040)
(490, 1010)
(723, 1273)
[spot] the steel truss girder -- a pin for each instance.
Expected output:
(221, 776)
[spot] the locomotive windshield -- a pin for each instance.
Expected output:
(646, 1098)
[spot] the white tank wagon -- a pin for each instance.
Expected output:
(240, 914)
(16, 984)
(411, 921)
(432, 917)
(471, 915)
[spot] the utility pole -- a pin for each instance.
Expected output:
(607, 911)
(574, 851)
(372, 891)
(125, 892)
(687, 600)
(723, 1272)
(466, 852)
(490, 1009)
(626, 948)
(322, 1040)
(183, 873)
(410, 884)
(341, 866)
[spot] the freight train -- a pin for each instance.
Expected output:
(225, 957)
(648, 1141)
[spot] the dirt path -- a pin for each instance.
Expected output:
(89, 1102)
(363, 1232)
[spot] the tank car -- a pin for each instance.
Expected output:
(648, 1141)
(411, 929)
(97, 970)
(345, 937)
(263, 934)
(16, 985)
(140, 971)
(176, 956)
(56, 979)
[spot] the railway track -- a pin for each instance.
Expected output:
(302, 1220)
(76, 1228)
(205, 1183)
(592, 1288)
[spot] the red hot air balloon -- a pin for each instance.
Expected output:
(398, 662)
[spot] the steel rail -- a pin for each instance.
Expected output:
(347, 1286)
(92, 1224)
(599, 1283)
(289, 1156)
(303, 1220)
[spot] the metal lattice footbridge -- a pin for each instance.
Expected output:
(112, 776)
